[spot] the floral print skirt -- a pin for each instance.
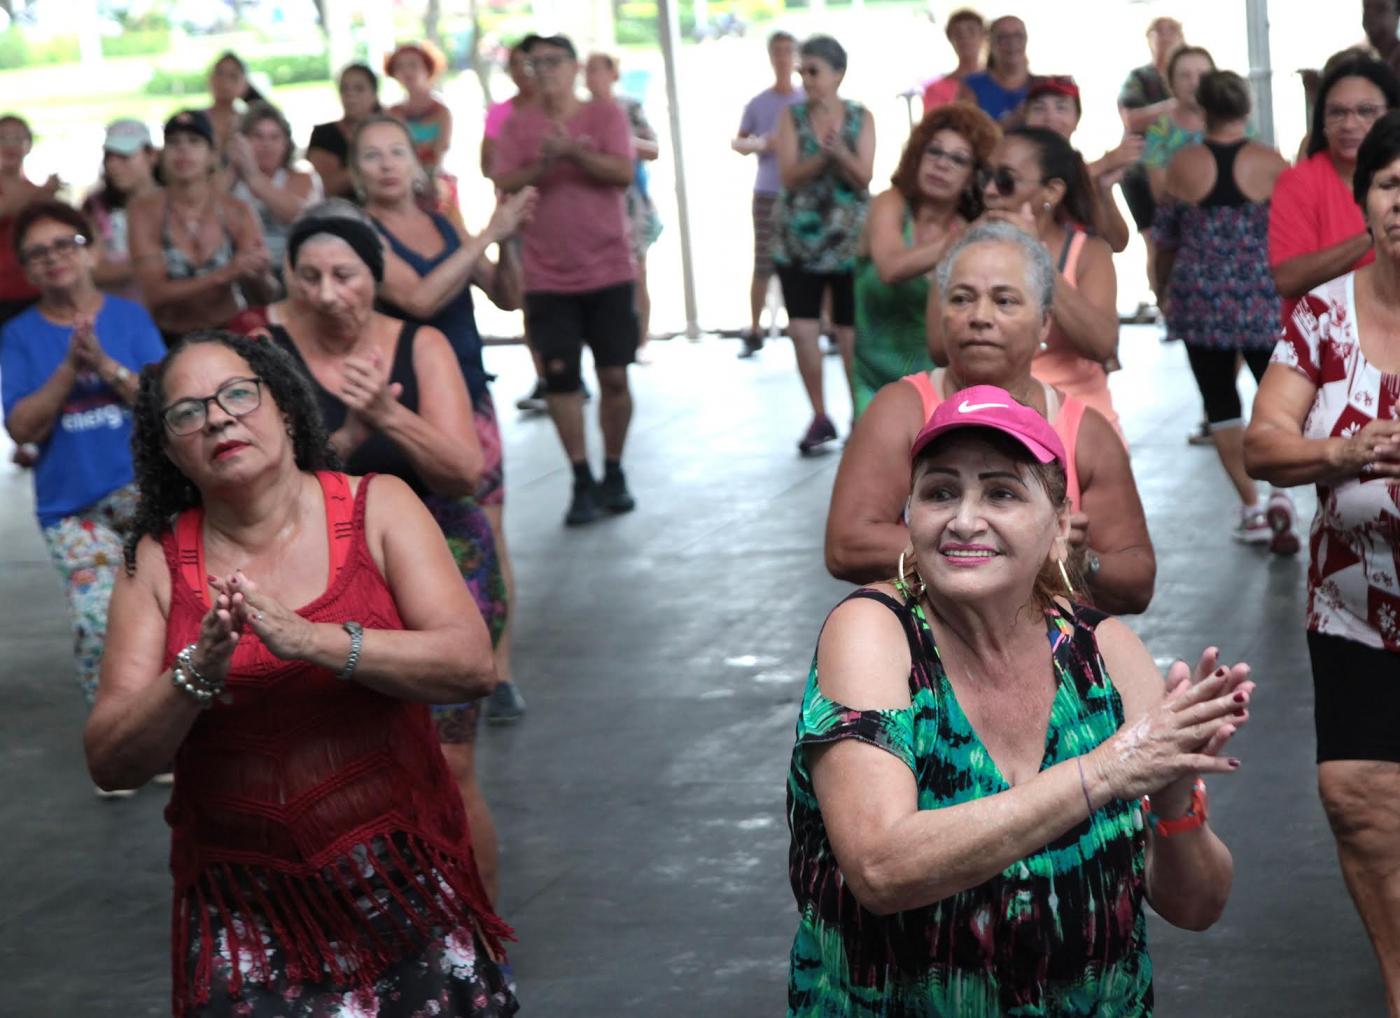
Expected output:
(453, 975)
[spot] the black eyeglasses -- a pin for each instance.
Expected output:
(61, 246)
(238, 397)
(959, 159)
(546, 63)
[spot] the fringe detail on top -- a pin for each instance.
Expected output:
(345, 923)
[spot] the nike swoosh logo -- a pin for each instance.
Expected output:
(968, 408)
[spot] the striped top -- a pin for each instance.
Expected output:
(1059, 933)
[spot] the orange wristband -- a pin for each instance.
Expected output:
(1195, 815)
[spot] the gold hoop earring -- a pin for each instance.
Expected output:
(1064, 575)
(915, 589)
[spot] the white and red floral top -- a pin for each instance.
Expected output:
(1354, 573)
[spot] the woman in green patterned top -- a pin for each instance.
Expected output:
(967, 837)
(935, 192)
(826, 155)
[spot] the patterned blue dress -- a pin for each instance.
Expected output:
(1222, 292)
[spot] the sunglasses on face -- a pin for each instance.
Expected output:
(61, 247)
(1002, 179)
(237, 397)
(961, 160)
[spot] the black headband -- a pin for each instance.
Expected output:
(361, 238)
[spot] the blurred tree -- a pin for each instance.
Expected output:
(431, 18)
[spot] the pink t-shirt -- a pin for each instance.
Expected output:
(496, 118)
(1311, 209)
(577, 240)
(1354, 572)
(941, 91)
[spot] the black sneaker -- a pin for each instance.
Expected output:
(614, 495)
(505, 705)
(584, 507)
(819, 432)
(753, 342)
(535, 403)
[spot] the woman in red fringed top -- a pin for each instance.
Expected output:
(321, 856)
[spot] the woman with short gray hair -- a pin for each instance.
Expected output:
(826, 156)
(996, 287)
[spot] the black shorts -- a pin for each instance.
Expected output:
(1138, 194)
(1215, 372)
(1356, 696)
(560, 323)
(802, 294)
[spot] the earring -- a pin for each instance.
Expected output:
(1064, 575)
(1046, 206)
(915, 589)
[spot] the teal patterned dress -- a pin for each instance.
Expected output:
(817, 227)
(1060, 933)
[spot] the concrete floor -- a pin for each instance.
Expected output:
(663, 654)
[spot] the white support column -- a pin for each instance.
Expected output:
(668, 26)
(1261, 74)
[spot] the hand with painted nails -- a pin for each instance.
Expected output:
(281, 630)
(1163, 752)
(218, 636)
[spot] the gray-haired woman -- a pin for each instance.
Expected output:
(826, 155)
(995, 288)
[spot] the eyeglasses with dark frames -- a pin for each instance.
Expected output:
(238, 397)
(961, 160)
(60, 247)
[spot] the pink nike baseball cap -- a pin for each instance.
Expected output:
(986, 406)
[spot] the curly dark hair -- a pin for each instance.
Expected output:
(165, 491)
(974, 127)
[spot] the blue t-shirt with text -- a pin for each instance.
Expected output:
(87, 455)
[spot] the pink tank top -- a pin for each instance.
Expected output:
(1061, 366)
(1066, 424)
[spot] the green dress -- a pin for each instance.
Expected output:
(890, 340)
(1061, 933)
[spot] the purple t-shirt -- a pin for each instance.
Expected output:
(761, 118)
(577, 240)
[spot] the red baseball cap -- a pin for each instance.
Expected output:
(986, 406)
(1054, 84)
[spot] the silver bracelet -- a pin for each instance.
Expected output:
(187, 678)
(357, 639)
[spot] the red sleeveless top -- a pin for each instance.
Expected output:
(289, 771)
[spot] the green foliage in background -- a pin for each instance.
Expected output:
(292, 69)
(16, 51)
(145, 42)
(636, 19)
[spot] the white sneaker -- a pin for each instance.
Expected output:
(1280, 514)
(116, 793)
(1252, 525)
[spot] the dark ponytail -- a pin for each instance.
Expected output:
(1060, 161)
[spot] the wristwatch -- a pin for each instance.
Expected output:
(1195, 814)
(1092, 564)
(357, 639)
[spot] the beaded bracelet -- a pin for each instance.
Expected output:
(186, 678)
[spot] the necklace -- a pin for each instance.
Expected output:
(193, 227)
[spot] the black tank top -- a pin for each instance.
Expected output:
(378, 454)
(1226, 193)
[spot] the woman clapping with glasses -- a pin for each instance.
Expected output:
(69, 368)
(279, 629)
